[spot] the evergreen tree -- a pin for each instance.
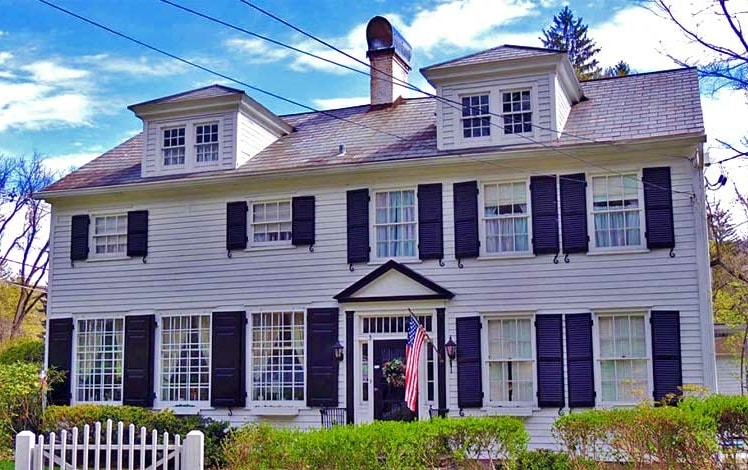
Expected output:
(569, 34)
(621, 69)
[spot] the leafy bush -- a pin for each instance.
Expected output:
(643, 435)
(382, 444)
(20, 402)
(543, 459)
(57, 418)
(23, 350)
(730, 415)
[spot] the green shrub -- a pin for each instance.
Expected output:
(382, 444)
(23, 350)
(57, 418)
(543, 459)
(643, 435)
(20, 402)
(730, 415)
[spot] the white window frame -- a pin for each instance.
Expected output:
(485, 361)
(92, 236)
(190, 143)
(533, 111)
(647, 394)
(373, 225)
(164, 148)
(642, 246)
(161, 370)
(482, 224)
(251, 358)
(490, 116)
(197, 145)
(251, 223)
(75, 369)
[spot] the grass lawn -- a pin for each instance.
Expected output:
(6, 465)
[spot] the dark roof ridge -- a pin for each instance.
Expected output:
(512, 46)
(182, 93)
(405, 100)
(640, 74)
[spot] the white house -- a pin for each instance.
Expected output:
(553, 230)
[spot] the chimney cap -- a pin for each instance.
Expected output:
(381, 35)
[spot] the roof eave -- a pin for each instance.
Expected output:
(494, 68)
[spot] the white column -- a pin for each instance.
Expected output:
(24, 450)
(193, 457)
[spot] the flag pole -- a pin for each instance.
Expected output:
(428, 337)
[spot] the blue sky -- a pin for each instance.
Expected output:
(65, 85)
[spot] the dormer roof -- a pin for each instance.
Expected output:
(500, 53)
(210, 91)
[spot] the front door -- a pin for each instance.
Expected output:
(389, 401)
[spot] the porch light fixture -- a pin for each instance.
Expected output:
(451, 350)
(337, 351)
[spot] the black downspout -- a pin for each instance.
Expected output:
(349, 378)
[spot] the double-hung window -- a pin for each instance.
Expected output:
(173, 148)
(510, 361)
(506, 218)
(206, 142)
(110, 235)
(516, 108)
(616, 211)
(395, 224)
(185, 358)
(271, 223)
(278, 356)
(476, 117)
(99, 360)
(623, 357)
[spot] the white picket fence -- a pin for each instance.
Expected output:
(129, 449)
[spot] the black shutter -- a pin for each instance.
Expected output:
(544, 215)
(579, 363)
(137, 233)
(466, 219)
(666, 354)
(79, 237)
(227, 389)
(658, 207)
(357, 210)
(138, 368)
(236, 225)
(322, 367)
(302, 226)
(469, 376)
(430, 226)
(550, 360)
(59, 357)
(574, 213)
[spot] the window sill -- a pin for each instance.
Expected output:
(380, 261)
(617, 251)
(97, 259)
(185, 410)
(270, 247)
(509, 410)
(275, 411)
(495, 256)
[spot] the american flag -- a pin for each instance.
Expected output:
(416, 336)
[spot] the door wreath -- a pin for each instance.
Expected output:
(394, 373)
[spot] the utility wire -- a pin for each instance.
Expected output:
(212, 72)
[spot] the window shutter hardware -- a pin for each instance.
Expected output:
(672, 252)
(566, 258)
(555, 257)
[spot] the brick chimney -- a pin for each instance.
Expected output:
(389, 55)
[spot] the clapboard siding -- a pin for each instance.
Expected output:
(563, 106)
(448, 124)
(187, 269)
(251, 139)
(728, 374)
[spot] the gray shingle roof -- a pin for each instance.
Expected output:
(659, 104)
(505, 52)
(210, 91)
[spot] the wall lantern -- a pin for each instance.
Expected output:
(451, 349)
(337, 351)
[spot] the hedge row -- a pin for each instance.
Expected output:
(382, 444)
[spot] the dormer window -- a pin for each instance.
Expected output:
(476, 117)
(174, 148)
(517, 111)
(206, 142)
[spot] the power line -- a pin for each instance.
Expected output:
(210, 71)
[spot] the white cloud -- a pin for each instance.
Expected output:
(63, 164)
(40, 109)
(3, 33)
(48, 71)
(5, 56)
(336, 103)
(140, 66)
(256, 50)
